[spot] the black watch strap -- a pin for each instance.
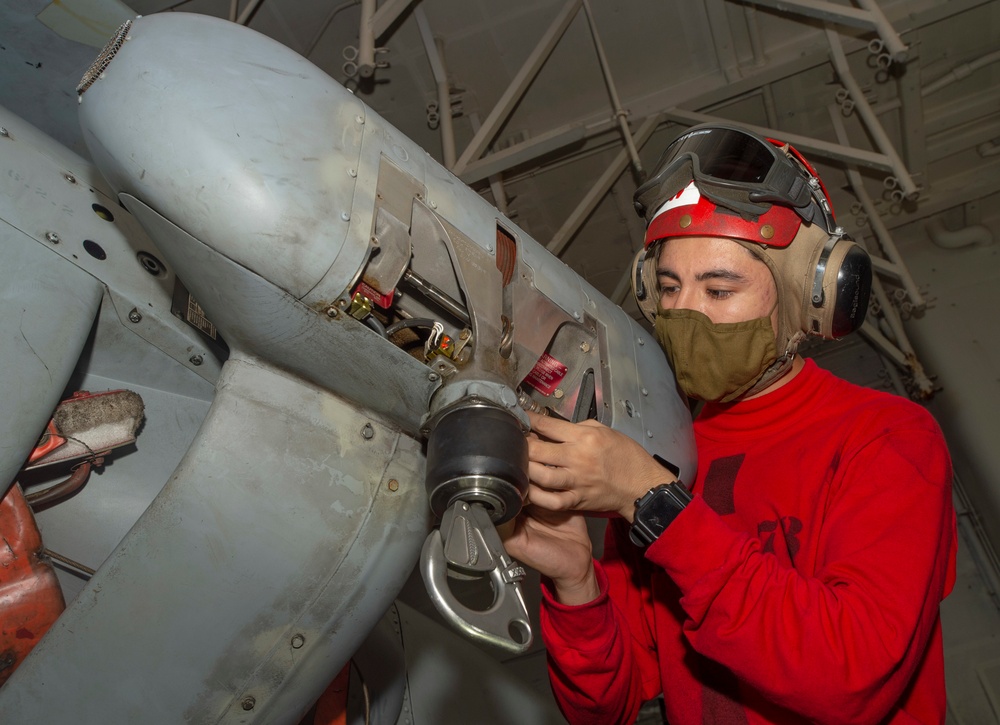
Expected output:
(655, 511)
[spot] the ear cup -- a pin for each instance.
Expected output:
(837, 292)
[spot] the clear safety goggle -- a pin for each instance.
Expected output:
(739, 170)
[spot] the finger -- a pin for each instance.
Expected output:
(549, 477)
(553, 500)
(550, 454)
(552, 428)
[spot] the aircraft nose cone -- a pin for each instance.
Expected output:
(233, 137)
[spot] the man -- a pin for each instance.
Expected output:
(800, 580)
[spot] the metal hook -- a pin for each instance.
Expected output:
(467, 546)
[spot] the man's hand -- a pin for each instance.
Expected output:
(557, 544)
(588, 467)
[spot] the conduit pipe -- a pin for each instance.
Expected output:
(960, 72)
(875, 220)
(620, 114)
(976, 234)
(871, 121)
(434, 47)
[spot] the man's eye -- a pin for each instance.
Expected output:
(720, 294)
(668, 290)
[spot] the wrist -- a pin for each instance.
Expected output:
(576, 591)
(654, 474)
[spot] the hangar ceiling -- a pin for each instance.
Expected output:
(554, 108)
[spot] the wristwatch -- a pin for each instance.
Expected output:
(654, 512)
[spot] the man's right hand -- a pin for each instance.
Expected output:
(556, 544)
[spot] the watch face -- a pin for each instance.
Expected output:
(656, 510)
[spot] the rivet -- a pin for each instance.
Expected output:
(52, 237)
(767, 231)
(332, 311)
(70, 178)
(393, 484)
(4, 132)
(649, 434)
(645, 392)
(353, 173)
(685, 221)
(196, 360)
(641, 342)
(558, 394)
(433, 377)
(134, 315)
(297, 641)
(345, 216)
(248, 703)
(368, 432)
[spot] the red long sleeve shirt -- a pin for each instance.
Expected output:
(802, 584)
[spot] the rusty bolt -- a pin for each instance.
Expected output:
(393, 484)
(248, 702)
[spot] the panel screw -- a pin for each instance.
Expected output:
(297, 641)
(332, 311)
(248, 703)
(196, 360)
(52, 237)
(135, 315)
(70, 178)
(393, 484)
(368, 432)
(432, 377)
(584, 347)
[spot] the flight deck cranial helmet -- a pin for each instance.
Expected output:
(717, 180)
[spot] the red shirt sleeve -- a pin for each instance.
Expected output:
(843, 644)
(602, 655)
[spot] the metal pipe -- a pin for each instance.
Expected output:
(620, 114)
(444, 111)
(875, 220)
(75, 565)
(868, 115)
(960, 72)
(593, 197)
(248, 12)
(434, 293)
(518, 85)
(496, 179)
(944, 238)
(434, 48)
(900, 53)
(366, 40)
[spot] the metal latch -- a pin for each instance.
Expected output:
(467, 546)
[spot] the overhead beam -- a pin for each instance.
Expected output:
(518, 85)
(597, 192)
(869, 16)
(817, 147)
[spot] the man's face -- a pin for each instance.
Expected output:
(717, 277)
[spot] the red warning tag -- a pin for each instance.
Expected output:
(546, 375)
(382, 300)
